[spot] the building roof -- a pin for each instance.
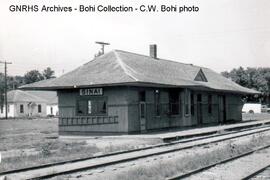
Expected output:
(49, 96)
(125, 68)
(23, 96)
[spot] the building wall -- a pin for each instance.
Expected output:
(153, 121)
(30, 111)
(115, 121)
(207, 117)
(11, 112)
(234, 107)
(14, 110)
(123, 110)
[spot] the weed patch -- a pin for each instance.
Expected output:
(195, 160)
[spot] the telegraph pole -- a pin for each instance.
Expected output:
(6, 103)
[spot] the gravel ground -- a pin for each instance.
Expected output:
(237, 169)
(145, 168)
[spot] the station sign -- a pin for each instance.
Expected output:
(91, 92)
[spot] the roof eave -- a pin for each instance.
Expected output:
(138, 83)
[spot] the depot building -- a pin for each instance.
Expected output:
(124, 92)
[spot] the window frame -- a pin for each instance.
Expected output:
(175, 101)
(192, 104)
(21, 108)
(39, 108)
(94, 105)
(187, 102)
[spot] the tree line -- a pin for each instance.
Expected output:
(13, 82)
(253, 78)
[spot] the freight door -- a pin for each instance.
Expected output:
(222, 109)
(142, 116)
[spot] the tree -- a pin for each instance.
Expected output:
(254, 78)
(33, 76)
(48, 73)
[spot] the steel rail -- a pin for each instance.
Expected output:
(256, 173)
(200, 137)
(53, 174)
(186, 175)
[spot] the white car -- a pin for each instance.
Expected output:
(252, 108)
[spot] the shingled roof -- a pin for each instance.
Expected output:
(125, 68)
(23, 96)
(49, 96)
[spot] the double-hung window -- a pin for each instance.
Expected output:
(174, 102)
(95, 106)
(187, 102)
(39, 108)
(21, 108)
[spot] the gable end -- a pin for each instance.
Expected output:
(200, 76)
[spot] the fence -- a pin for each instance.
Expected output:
(87, 120)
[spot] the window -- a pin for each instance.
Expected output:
(199, 98)
(187, 102)
(21, 108)
(89, 107)
(92, 107)
(157, 102)
(174, 102)
(39, 108)
(192, 104)
(142, 96)
(81, 107)
(209, 104)
(2, 109)
(8, 108)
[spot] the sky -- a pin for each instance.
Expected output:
(222, 35)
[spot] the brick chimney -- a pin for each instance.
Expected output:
(153, 51)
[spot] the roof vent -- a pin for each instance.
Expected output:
(153, 51)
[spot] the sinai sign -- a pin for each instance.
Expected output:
(91, 92)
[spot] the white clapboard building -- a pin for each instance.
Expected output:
(30, 104)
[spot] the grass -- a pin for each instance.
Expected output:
(164, 169)
(30, 143)
(19, 136)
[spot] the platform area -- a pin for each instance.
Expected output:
(179, 133)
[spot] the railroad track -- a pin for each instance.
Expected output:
(194, 172)
(60, 168)
(256, 174)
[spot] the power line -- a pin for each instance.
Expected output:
(6, 103)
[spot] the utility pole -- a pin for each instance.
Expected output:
(103, 44)
(6, 103)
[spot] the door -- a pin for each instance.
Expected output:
(142, 107)
(222, 108)
(142, 111)
(199, 109)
